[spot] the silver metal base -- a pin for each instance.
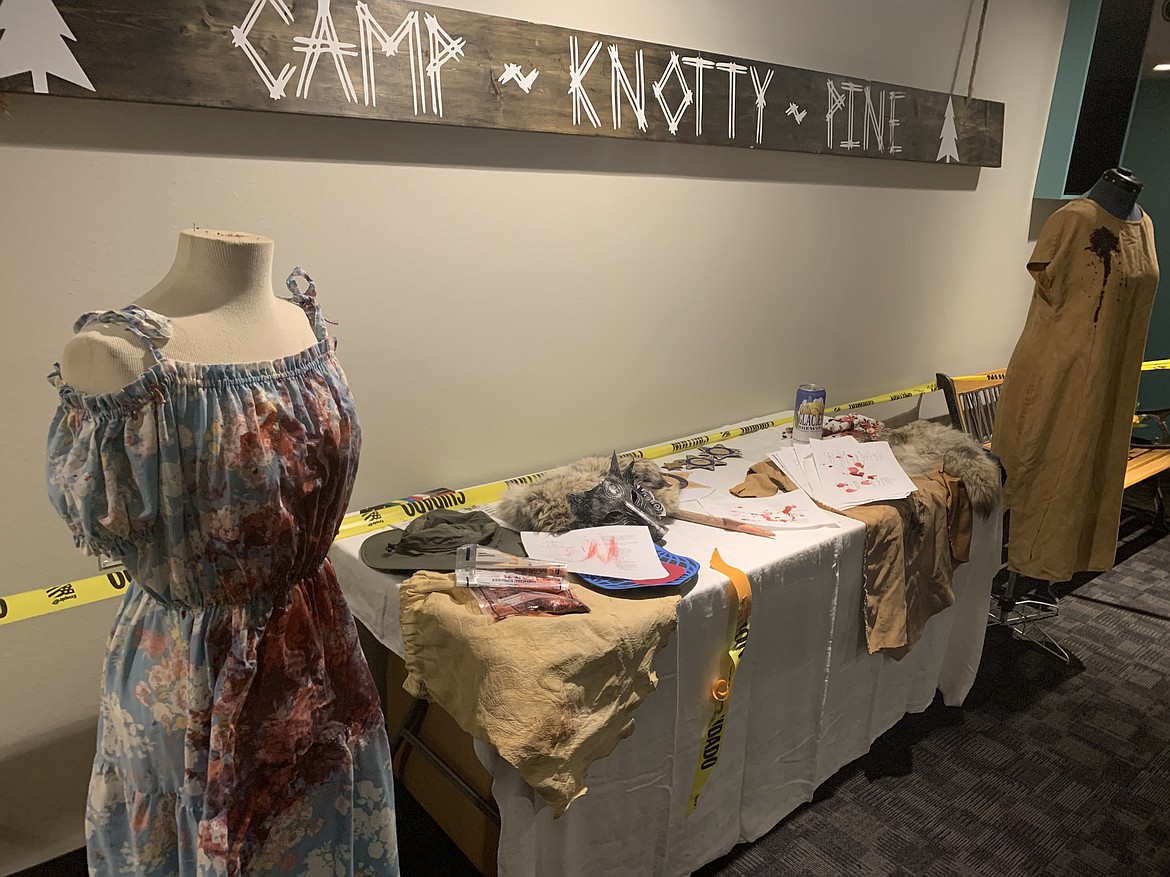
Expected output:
(1022, 617)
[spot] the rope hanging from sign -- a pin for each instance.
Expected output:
(978, 46)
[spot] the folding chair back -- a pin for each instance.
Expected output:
(972, 404)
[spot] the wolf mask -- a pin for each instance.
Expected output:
(618, 499)
(543, 505)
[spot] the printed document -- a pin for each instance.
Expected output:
(615, 551)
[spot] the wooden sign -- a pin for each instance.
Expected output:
(387, 59)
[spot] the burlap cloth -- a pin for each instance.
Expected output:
(552, 695)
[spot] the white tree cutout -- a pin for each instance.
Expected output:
(949, 147)
(34, 42)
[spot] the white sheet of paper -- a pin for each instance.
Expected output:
(790, 463)
(811, 474)
(854, 473)
(616, 551)
(794, 510)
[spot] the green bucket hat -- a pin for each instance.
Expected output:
(430, 542)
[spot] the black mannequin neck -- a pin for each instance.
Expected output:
(1117, 191)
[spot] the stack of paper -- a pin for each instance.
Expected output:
(843, 472)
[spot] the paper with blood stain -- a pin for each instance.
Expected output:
(616, 551)
(794, 510)
(854, 473)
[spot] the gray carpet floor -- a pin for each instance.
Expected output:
(1048, 769)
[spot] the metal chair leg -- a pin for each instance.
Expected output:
(1161, 522)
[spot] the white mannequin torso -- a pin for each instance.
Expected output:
(219, 298)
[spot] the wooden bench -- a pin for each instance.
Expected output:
(972, 403)
(1145, 462)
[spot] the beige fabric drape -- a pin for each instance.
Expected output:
(553, 695)
(1065, 413)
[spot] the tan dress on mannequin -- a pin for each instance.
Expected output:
(1063, 425)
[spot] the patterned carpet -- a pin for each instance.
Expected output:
(1047, 769)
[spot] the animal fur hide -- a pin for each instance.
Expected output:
(918, 446)
(544, 506)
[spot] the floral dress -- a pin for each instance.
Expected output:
(240, 732)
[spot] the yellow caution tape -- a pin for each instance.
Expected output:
(738, 630)
(1147, 366)
(399, 511)
(30, 604)
(986, 376)
(910, 393)
(42, 601)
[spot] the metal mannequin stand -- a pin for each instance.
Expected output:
(1022, 617)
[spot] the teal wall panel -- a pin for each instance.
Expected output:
(1147, 154)
(1079, 33)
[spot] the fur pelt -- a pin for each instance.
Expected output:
(544, 506)
(918, 446)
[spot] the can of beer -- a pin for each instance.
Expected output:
(808, 413)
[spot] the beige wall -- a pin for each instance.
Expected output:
(655, 290)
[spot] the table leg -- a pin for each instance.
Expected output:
(406, 738)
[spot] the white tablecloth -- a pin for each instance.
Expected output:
(808, 699)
